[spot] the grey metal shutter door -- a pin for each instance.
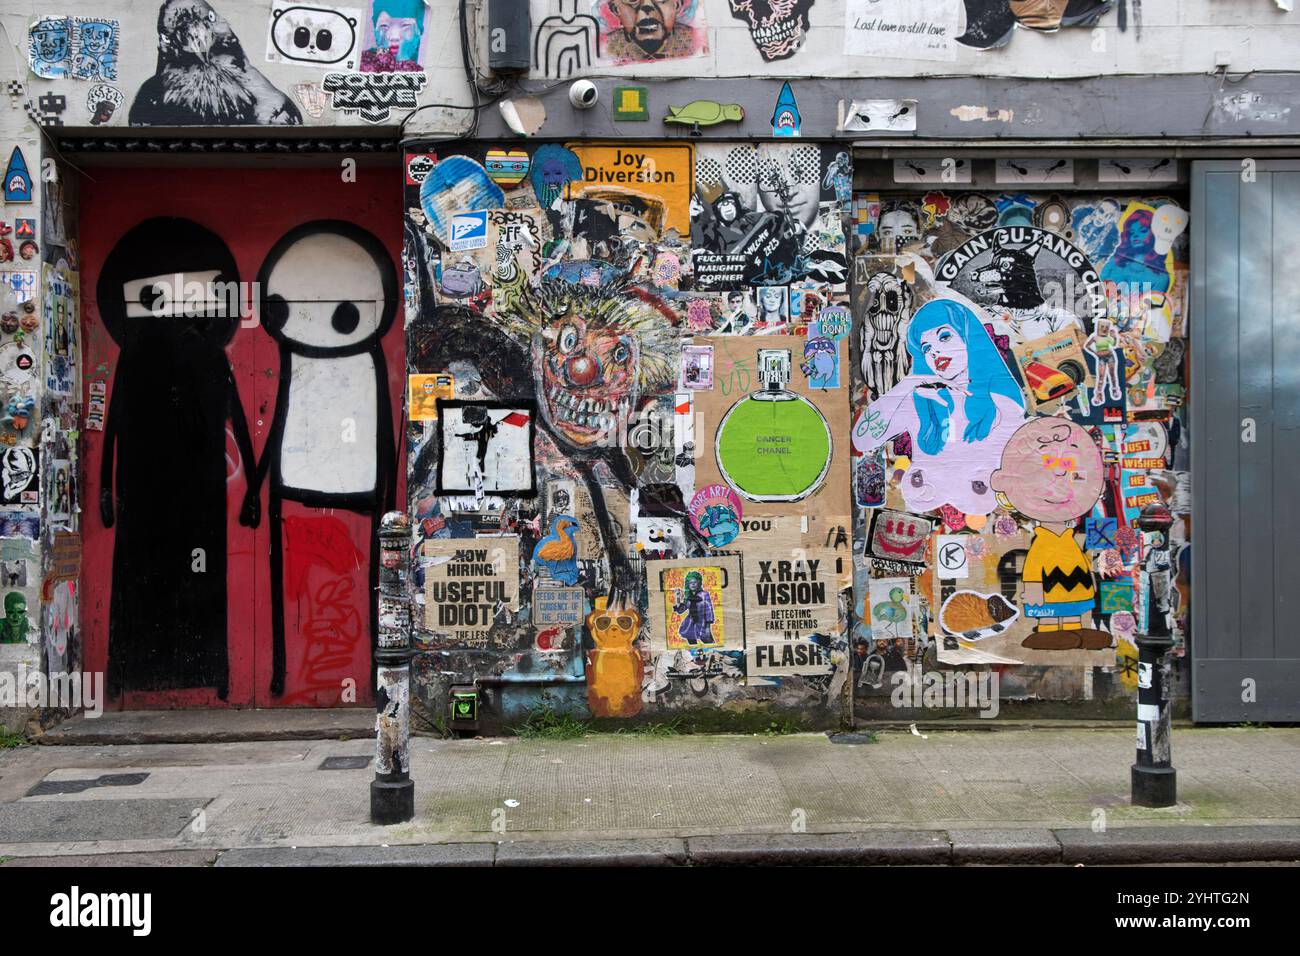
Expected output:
(1245, 316)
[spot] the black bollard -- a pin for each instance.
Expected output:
(392, 792)
(1154, 780)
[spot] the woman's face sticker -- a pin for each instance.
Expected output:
(945, 352)
(1139, 234)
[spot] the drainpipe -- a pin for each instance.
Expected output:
(392, 792)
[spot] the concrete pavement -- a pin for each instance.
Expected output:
(1042, 795)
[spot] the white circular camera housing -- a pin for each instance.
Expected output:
(583, 94)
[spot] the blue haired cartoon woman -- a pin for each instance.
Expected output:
(960, 404)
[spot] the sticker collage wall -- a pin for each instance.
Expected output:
(1020, 460)
(40, 349)
(361, 61)
(695, 425)
(629, 388)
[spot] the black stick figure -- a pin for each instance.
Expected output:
(172, 394)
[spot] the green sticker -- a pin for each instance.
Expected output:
(631, 104)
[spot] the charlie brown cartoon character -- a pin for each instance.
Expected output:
(1051, 471)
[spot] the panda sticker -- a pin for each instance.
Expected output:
(314, 36)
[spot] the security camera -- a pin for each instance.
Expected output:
(583, 94)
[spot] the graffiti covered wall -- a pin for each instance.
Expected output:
(244, 365)
(695, 426)
(1020, 403)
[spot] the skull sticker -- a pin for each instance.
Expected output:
(778, 27)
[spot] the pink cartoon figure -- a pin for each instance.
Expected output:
(959, 405)
(1052, 472)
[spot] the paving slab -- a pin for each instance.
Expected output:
(80, 821)
(592, 853)
(446, 854)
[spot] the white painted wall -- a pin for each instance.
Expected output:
(1178, 36)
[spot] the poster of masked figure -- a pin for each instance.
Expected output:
(765, 215)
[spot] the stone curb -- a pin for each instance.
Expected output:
(593, 853)
(868, 848)
(1027, 846)
(1180, 844)
(430, 854)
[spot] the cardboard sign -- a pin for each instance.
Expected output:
(791, 593)
(557, 606)
(736, 378)
(786, 658)
(469, 584)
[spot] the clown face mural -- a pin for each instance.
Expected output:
(594, 349)
(778, 27)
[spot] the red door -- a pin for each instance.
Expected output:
(245, 457)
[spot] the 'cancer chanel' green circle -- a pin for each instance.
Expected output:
(774, 450)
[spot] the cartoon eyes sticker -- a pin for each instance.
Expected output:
(302, 39)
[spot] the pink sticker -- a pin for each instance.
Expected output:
(715, 513)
